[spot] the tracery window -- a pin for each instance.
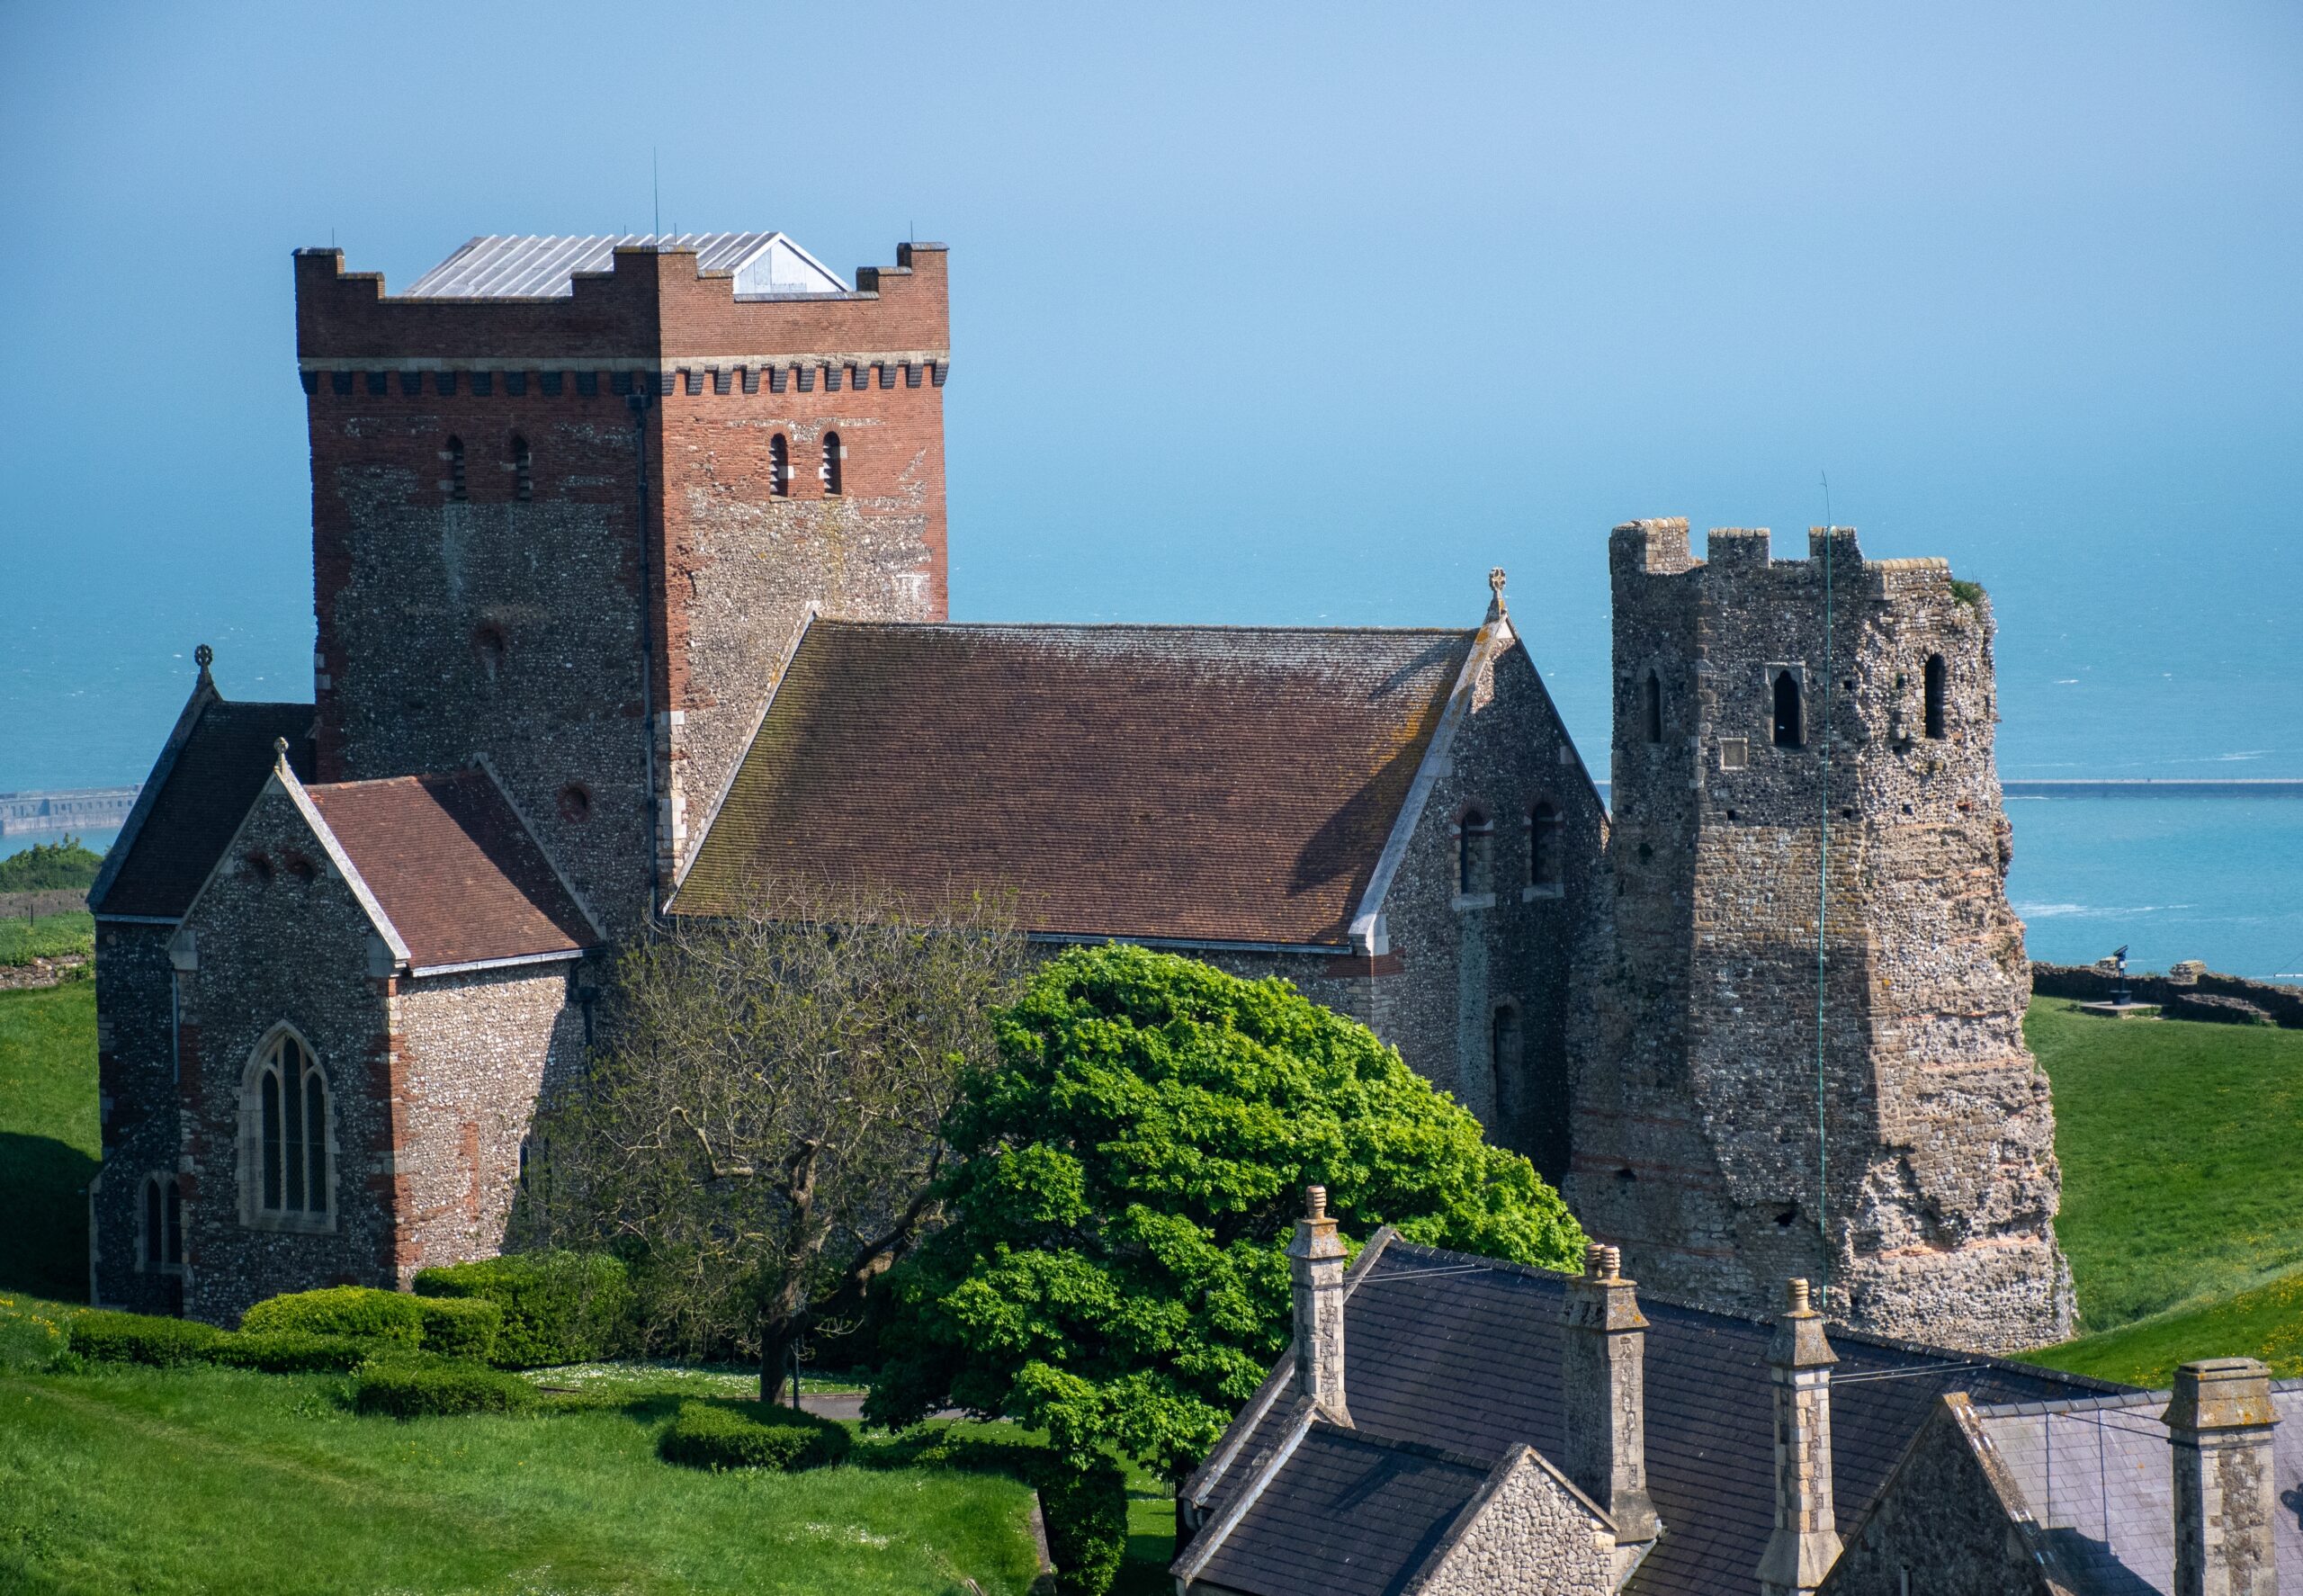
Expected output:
(163, 1224)
(292, 1179)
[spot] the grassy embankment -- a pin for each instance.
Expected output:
(2182, 1145)
(211, 1479)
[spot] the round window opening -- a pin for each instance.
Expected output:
(301, 869)
(260, 867)
(576, 802)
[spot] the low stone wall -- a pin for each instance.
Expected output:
(2284, 1004)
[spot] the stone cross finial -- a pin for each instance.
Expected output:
(280, 753)
(203, 656)
(1495, 609)
(1315, 1264)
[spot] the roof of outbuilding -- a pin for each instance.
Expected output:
(1463, 1354)
(1349, 1516)
(1195, 783)
(2097, 1473)
(528, 265)
(453, 869)
(197, 796)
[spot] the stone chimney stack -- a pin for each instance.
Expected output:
(1806, 1542)
(1315, 1259)
(1603, 1393)
(2225, 1501)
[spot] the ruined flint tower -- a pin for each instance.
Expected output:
(1739, 766)
(573, 497)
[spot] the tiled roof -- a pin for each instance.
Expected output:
(203, 795)
(1201, 784)
(453, 868)
(1347, 1515)
(2097, 1475)
(1463, 1354)
(528, 266)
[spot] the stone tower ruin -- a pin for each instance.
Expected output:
(573, 497)
(1745, 754)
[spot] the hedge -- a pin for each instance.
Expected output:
(460, 1327)
(415, 1387)
(343, 1310)
(109, 1337)
(289, 1351)
(558, 1307)
(703, 1435)
(1083, 1507)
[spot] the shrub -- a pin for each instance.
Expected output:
(703, 1435)
(558, 1307)
(106, 1337)
(289, 1352)
(360, 1311)
(460, 1326)
(415, 1387)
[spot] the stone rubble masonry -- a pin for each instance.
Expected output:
(1529, 1533)
(527, 628)
(2219, 1419)
(1603, 1394)
(137, 1102)
(1694, 1041)
(1315, 1270)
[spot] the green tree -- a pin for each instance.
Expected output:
(1124, 1182)
(51, 866)
(760, 1131)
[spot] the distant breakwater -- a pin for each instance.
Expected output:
(70, 809)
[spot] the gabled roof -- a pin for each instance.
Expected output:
(1199, 785)
(2097, 1474)
(210, 769)
(452, 875)
(526, 265)
(1462, 1354)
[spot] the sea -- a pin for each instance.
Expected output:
(2218, 879)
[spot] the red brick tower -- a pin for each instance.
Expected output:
(571, 498)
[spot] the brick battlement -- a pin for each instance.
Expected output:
(654, 308)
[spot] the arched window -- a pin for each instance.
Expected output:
(829, 470)
(1936, 684)
(286, 1121)
(1655, 690)
(1790, 733)
(779, 467)
(1474, 854)
(524, 479)
(1503, 1063)
(163, 1223)
(453, 453)
(1543, 846)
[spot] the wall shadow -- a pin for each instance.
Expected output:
(44, 1193)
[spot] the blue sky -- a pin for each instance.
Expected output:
(1296, 314)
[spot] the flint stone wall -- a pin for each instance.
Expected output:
(137, 1102)
(1532, 1535)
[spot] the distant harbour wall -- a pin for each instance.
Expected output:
(72, 809)
(2152, 787)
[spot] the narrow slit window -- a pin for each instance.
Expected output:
(1937, 686)
(172, 1200)
(831, 470)
(1474, 852)
(779, 467)
(524, 476)
(453, 453)
(155, 1239)
(1543, 846)
(1503, 1058)
(1789, 730)
(1655, 690)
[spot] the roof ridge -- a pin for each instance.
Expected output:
(859, 623)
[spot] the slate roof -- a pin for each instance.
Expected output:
(1195, 784)
(1463, 1353)
(453, 869)
(195, 800)
(528, 266)
(2097, 1474)
(1317, 1532)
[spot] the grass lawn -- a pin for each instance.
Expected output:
(2182, 1145)
(216, 1480)
(2265, 1322)
(48, 1145)
(23, 940)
